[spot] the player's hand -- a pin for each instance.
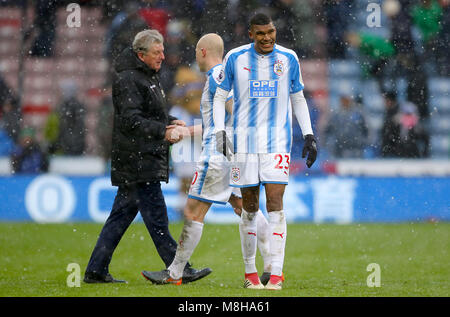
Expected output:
(175, 133)
(178, 122)
(310, 149)
(172, 135)
(223, 144)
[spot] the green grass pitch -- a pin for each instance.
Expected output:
(321, 260)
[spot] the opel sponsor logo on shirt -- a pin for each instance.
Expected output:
(263, 88)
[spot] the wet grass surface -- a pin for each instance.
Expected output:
(321, 260)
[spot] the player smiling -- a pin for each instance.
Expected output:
(266, 80)
(210, 183)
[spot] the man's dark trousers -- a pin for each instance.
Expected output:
(149, 200)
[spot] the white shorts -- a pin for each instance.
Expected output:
(252, 169)
(211, 181)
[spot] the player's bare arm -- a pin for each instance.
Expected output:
(196, 130)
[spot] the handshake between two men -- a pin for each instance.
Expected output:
(176, 131)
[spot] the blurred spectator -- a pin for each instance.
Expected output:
(113, 28)
(111, 9)
(6, 143)
(124, 27)
(172, 62)
(296, 27)
(188, 89)
(185, 97)
(400, 49)
(183, 40)
(191, 13)
(239, 35)
(417, 90)
(10, 112)
(71, 120)
(178, 38)
(402, 134)
(45, 24)
(51, 132)
(105, 124)
(28, 157)
(398, 12)
(238, 21)
(443, 58)
(372, 45)
(426, 15)
(413, 137)
(347, 132)
(409, 63)
(156, 17)
(304, 29)
(337, 15)
(284, 18)
(389, 59)
(390, 131)
(213, 17)
(379, 51)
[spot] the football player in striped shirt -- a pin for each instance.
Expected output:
(267, 84)
(211, 180)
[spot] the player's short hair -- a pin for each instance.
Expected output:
(260, 19)
(144, 39)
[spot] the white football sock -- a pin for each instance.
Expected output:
(277, 223)
(248, 231)
(263, 234)
(189, 238)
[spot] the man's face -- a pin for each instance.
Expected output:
(264, 37)
(346, 102)
(154, 56)
(389, 103)
(26, 141)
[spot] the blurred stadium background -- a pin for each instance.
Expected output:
(377, 83)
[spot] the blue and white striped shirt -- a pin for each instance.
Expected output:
(208, 138)
(261, 84)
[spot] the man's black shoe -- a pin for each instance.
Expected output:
(190, 274)
(92, 278)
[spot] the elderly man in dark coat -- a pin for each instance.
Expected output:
(142, 134)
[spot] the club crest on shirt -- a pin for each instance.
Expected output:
(235, 174)
(278, 68)
(221, 76)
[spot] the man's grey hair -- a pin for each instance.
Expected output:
(145, 39)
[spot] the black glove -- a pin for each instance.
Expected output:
(223, 144)
(310, 149)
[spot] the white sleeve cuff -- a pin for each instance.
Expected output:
(301, 111)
